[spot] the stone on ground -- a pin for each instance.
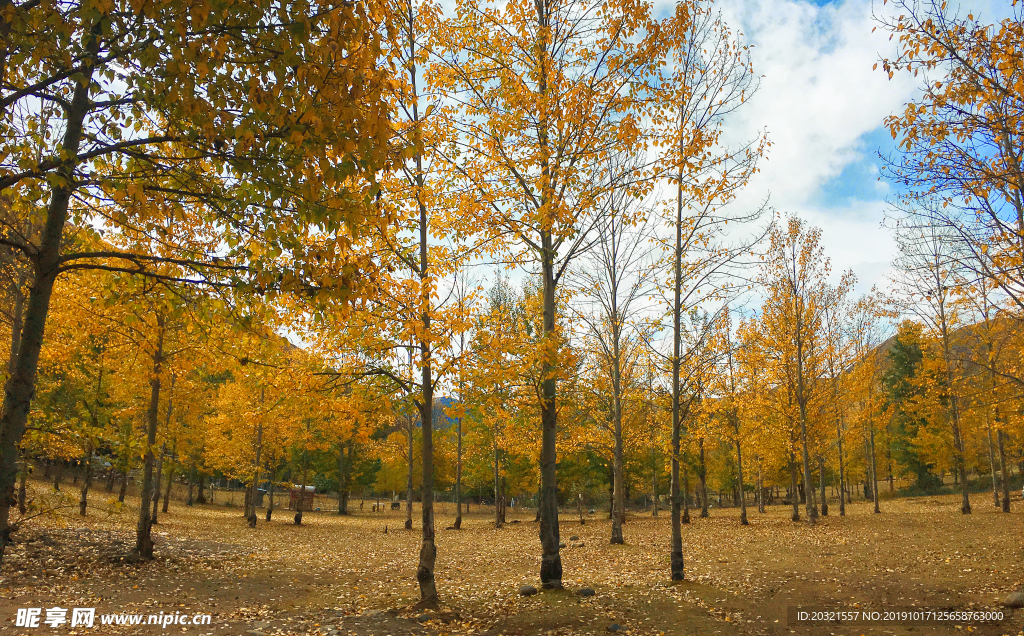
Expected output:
(1015, 599)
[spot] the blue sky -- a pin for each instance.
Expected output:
(823, 108)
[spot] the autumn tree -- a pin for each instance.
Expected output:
(795, 275)
(959, 153)
(274, 135)
(545, 92)
(709, 76)
(929, 273)
(614, 278)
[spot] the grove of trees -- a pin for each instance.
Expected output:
(486, 254)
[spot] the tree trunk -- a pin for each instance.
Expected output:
(812, 508)
(143, 539)
(271, 477)
(22, 383)
(342, 499)
(83, 500)
(428, 550)
(1005, 476)
(890, 478)
(842, 464)
(458, 471)
(686, 495)
(821, 477)
(408, 483)
(654, 482)
(992, 466)
(793, 495)
(551, 559)
(760, 488)
(167, 491)
(499, 518)
(156, 488)
(739, 467)
(200, 488)
(677, 564)
(874, 466)
(124, 487)
(702, 476)
(191, 483)
(618, 499)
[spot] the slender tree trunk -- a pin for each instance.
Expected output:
(702, 476)
(874, 466)
(21, 385)
(428, 550)
(156, 487)
(992, 464)
(124, 486)
(167, 490)
(842, 464)
(1000, 437)
(111, 474)
(408, 483)
(499, 518)
(458, 470)
(812, 508)
(83, 500)
(654, 482)
(143, 539)
(677, 563)
(821, 478)
(270, 494)
(760, 488)
(686, 495)
(793, 495)
(889, 477)
(551, 558)
(342, 480)
(739, 467)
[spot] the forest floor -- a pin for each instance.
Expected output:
(344, 575)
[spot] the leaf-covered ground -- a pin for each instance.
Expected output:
(345, 575)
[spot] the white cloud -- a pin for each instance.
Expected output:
(818, 97)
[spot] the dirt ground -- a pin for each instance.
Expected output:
(341, 575)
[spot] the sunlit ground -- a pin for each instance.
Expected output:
(330, 573)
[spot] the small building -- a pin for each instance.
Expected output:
(306, 492)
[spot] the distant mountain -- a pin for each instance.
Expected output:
(442, 421)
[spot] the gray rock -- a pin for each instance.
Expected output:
(574, 538)
(372, 612)
(333, 632)
(264, 625)
(1015, 599)
(561, 546)
(579, 544)
(586, 591)
(615, 627)
(527, 590)
(423, 618)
